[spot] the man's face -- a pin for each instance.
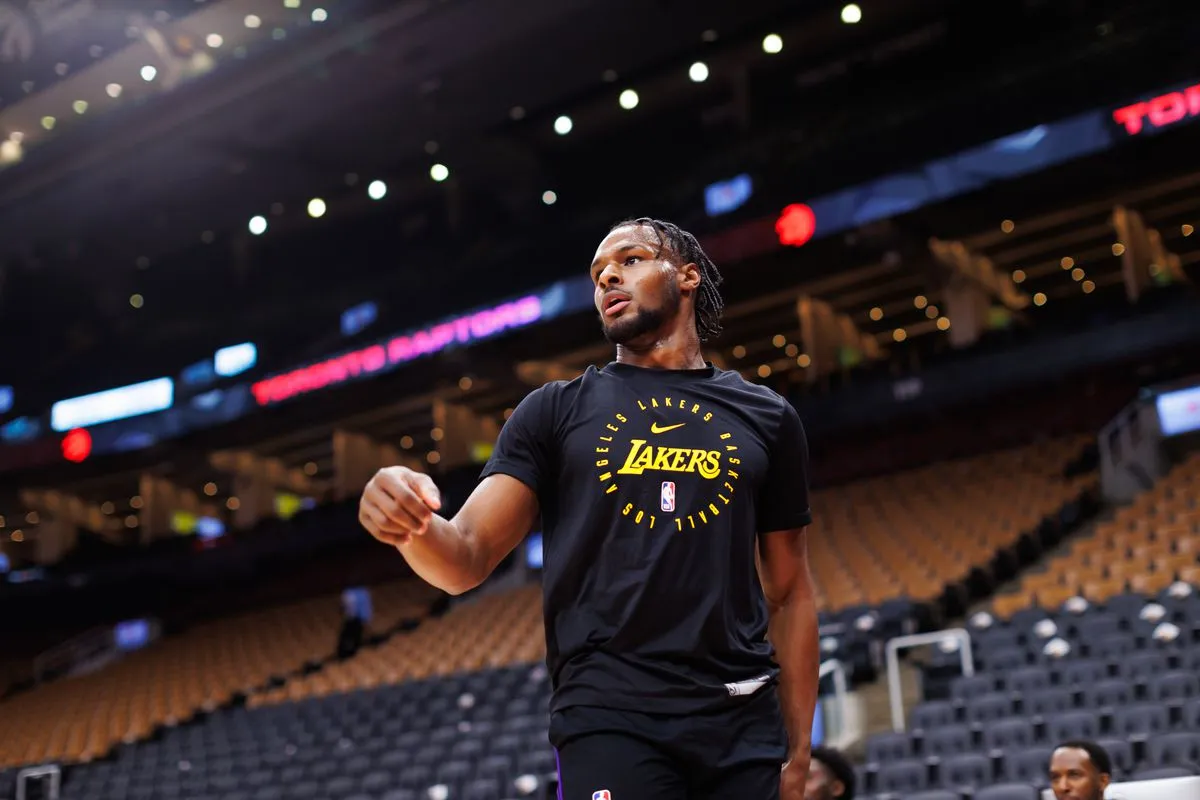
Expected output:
(821, 783)
(636, 288)
(1073, 776)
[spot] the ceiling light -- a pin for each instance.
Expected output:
(316, 208)
(80, 106)
(258, 225)
(113, 90)
(252, 21)
(851, 14)
(439, 172)
(214, 40)
(563, 125)
(319, 15)
(48, 123)
(698, 72)
(291, 3)
(137, 301)
(377, 190)
(772, 43)
(628, 99)
(148, 73)
(549, 198)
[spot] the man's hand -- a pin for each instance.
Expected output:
(794, 777)
(398, 504)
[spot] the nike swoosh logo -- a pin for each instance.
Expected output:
(656, 428)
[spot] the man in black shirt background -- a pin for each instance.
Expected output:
(674, 501)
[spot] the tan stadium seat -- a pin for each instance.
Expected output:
(1147, 546)
(81, 718)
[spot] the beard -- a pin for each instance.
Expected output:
(630, 327)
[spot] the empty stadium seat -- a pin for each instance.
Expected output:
(79, 719)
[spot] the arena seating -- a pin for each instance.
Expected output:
(495, 630)
(82, 718)
(1103, 644)
(912, 533)
(1147, 546)
(473, 734)
(1111, 674)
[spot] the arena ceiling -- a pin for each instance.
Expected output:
(152, 197)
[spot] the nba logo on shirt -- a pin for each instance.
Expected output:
(668, 496)
(603, 794)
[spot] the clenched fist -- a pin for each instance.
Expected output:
(398, 504)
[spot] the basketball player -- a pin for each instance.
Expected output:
(673, 499)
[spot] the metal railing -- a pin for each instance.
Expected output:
(894, 646)
(841, 700)
(50, 771)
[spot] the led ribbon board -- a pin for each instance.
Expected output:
(388, 354)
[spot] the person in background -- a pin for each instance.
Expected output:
(830, 776)
(1079, 770)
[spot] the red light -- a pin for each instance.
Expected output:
(796, 225)
(1159, 112)
(77, 445)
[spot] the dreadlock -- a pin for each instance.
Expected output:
(709, 303)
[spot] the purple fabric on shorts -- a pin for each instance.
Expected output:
(558, 769)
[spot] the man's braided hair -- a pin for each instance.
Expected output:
(709, 304)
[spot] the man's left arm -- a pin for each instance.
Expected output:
(792, 628)
(783, 519)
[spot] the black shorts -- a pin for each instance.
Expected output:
(734, 754)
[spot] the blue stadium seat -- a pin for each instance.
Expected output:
(1072, 725)
(1175, 686)
(1028, 766)
(1029, 679)
(989, 707)
(936, 714)
(1016, 733)
(1007, 791)
(1142, 720)
(947, 741)
(1107, 694)
(965, 771)
(884, 747)
(1047, 702)
(903, 777)
(970, 687)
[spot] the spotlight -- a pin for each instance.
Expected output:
(252, 21)
(439, 172)
(851, 14)
(772, 43)
(258, 225)
(316, 208)
(628, 99)
(377, 190)
(149, 73)
(113, 90)
(563, 125)
(698, 72)
(549, 198)
(319, 15)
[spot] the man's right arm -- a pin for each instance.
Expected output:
(400, 506)
(456, 555)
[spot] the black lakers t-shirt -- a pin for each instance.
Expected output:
(654, 486)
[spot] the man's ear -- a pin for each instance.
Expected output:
(689, 277)
(837, 788)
